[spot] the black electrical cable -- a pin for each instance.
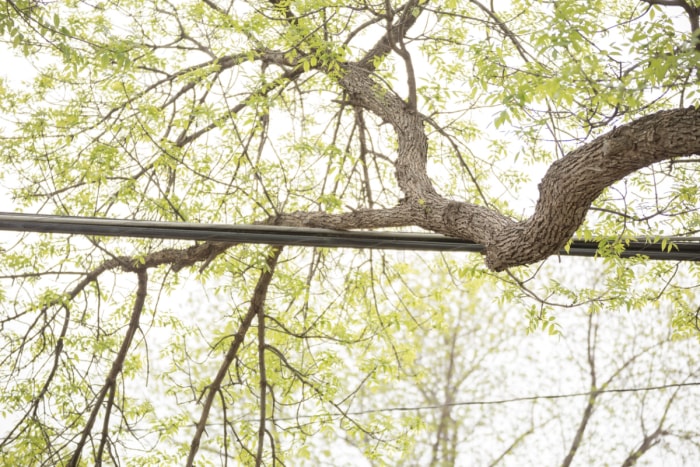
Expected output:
(682, 249)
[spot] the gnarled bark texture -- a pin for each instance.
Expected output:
(573, 182)
(567, 190)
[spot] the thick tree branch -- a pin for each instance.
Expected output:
(573, 182)
(412, 150)
(566, 192)
(399, 216)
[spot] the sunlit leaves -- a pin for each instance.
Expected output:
(233, 113)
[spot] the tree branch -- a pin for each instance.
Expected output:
(569, 187)
(693, 13)
(260, 315)
(398, 216)
(590, 405)
(116, 369)
(256, 305)
(573, 182)
(397, 29)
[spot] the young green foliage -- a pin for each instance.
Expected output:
(347, 115)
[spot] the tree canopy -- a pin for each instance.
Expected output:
(516, 124)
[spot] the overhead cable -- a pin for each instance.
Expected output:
(672, 249)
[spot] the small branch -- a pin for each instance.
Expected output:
(693, 13)
(460, 157)
(653, 439)
(314, 387)
(680, 3)
(105, 425)
(649, 442)
(590, 405)
(504, 29)
(58, 349)
(260, 312)
(517, 441)
(385, 45)
(256, 304)
(399, 46)
(215, 7)
(362, 137)
(116, 369)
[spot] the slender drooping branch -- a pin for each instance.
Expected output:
(114, 372)
(256, 304)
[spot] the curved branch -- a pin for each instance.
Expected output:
(573, 182)
(567, 190)
(412, 152)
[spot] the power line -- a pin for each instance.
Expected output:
(420, 408)
(526, 398)
(683, 249)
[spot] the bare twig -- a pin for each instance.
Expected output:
(260, 314)
(590, 404)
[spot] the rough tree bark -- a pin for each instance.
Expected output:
(567, 190)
